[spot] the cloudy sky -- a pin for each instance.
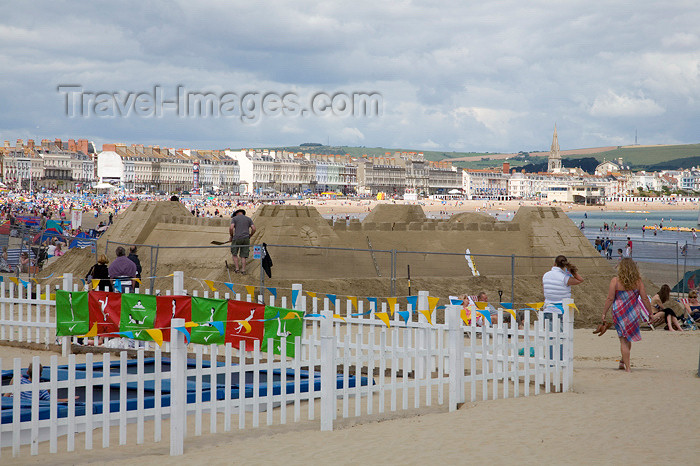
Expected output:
(454, 76)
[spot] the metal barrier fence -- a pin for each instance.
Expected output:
(399, 267)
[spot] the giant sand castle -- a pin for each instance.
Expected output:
(354, 258)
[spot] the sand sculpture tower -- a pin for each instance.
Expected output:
(554, 161)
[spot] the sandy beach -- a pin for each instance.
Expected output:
(609, 417)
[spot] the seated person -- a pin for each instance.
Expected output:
(662, 304)
(24, 262)
(43, 393)
(692, 307)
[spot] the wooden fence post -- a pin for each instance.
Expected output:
(328, 371)
(568, 319)
(66, 341)
(422, 336)
(178, 387)
(455, 341)
(296, 297)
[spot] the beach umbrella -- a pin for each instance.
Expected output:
(690, 280)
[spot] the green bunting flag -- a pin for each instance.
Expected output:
(205, 311)
(72, 313)
(138, 313)
(283, 323)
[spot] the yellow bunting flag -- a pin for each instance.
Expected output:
(245, 324)
(392, 305)
(353, 300)
(465, 317)
(170, 275)
(92, 332)
(338, 316)
(481, 305)
(312, 294)
(138, 280)
(510, 311)
(427, 316)
(156, 334)
(535, 305)
(35, 281)
(191, 324)
(210, 284)
(14, 280)
(572, 305)
(432, 302)
(383, 316)
(95, 283)
(250, 289)
(292, 315)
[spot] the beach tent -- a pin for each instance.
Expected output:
(5, 228)
(82, 240)
(690, 280)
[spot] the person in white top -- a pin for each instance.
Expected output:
(557, 283)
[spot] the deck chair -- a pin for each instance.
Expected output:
(643, 313)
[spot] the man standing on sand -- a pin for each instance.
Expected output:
(240, 230)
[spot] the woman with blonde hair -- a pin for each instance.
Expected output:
(100, 271)
(623, 295)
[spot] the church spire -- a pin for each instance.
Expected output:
(554, 161)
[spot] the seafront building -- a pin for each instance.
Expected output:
(73, 165)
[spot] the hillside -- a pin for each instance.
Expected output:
(638, 157)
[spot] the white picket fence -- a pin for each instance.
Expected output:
(405, 366)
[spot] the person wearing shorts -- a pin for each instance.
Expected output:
(240, 230)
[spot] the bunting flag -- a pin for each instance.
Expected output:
(292, 315)
(466, 317)
(72, 313)
(82, 281)
(229, 286)
(373, 301)
(184, 331)
(312, 294)
(392, 305)
(404, 315)
(506, 305)
(171, 307)
(331, 298)
(455, 301)
(95, 283)
(413, 301)
(105, 309)
(572, 305)
(156, 335)
(138, 280)
(208, 313)
(245, 323)
(361, 314)
(210, 284)
(191, 324)
(295, 296)
(250, 289)
(353, 300)
(535, 306)
(92, 332)
(338, 316)
(117, 285)
(481, 305)
(273, 291)
(14, 280)
(128, 334)
(485, 314)
(559, 306)
(428, 316)
(432, 302)
(511, 312)
(384, 317)
(138, 312)
(277, 328)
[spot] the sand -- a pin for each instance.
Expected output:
(609, 417)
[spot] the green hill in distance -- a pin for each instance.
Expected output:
(656, 157)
